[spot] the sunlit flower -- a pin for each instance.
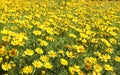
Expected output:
(44, 58)
(80, 49)
(52, 53)
(6, 66)
(39, 50)
(27, 69)
(117, 58)
(90, 60)
(37, 32)
(13, 52)
(108, 67)
(29, 52)
(37, 64)
(48, 65)
(64, 62)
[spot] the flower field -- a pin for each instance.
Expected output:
(59, 37)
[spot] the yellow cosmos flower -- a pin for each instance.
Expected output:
(37, 32)
(72, 35)
(62, 52)
(6, 38)
(48, 65)
(3, 50)
(43, 42)
(76, 68)
(6, 66)
(13, 52)
(44, 58)
(50, 38)
(52, 54)
(69, 54)
(80, 49)
(108, 67)
(39, 50)
(105, 57)
(37, 64)
(50, 31)
(81, 73)
(29, 52)
(64, 61)
(97, 53)
(71, 70)
(27, 69)
(90, 61)
(97, 68)
(113, 41)
(117, 58)
(106, 42)
(109, 50)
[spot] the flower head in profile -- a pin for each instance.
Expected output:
(108, 67)
(64, 61)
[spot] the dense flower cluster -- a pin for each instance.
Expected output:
(59, 37)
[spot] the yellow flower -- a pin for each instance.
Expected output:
(90, 61)
(7, 57)
(42, 72)
(5, 31)
(69, 54)
(6, 38)
(72, 35)
(50, 31)
(17, 42)
(105, 57)
(71, 69)
(97, 53)
(50, 38)
(76, 68)
(88, 67)
(81, 73)
(39, 50)
(42, 42)
(12, 63)
(6, 66)
(52, 54)
(106, 42)
(97, 68)
(109, 50)
(37, 32)
(1, 59)
(37, 64)
(96, 73)
(2, 50)
(117, 58)
(80, 49)
(29, 52)
(64, 62)
(84, 41)
(44, 58)
(27, 69)
(61, 52)
(48, 65)
(113, 41)
(13, 52)
(108, 67)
